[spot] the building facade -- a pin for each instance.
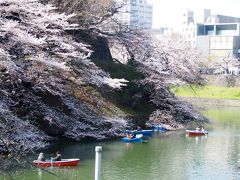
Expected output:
(189, 25)
(219, 36)
(137, 14)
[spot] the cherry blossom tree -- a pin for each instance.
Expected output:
(35, 49)
(227, 68)
(164, 62)
(225, 65)
(90, 14)
(45, 43)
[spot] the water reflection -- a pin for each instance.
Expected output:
(39, 170)
(129, 146)
(57, 172)
(197, 139)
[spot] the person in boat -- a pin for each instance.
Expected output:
(139, 128)
(41, 157)
(58, 157)
(198, 128)
(129, 136)
(202, 129)
(133, 134)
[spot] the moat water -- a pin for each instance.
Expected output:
(170, 155)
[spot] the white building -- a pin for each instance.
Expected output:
(162, 32)
(137, 14)
(219, 36)
(213, 35)
(190, 21)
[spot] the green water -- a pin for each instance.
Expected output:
(170, 156)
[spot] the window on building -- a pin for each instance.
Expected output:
(221, 42)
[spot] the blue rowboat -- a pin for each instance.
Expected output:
(159, 128)
(131, 140)
(143, 132)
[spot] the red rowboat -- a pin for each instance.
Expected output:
(196, 133)
(63, 162)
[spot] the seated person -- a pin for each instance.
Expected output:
(133, 134)
(139, 128)
(58, 157)
(198, 128)
(129, 136)
(41, 157)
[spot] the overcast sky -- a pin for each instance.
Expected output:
(169, 12)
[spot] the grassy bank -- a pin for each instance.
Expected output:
(210, 92)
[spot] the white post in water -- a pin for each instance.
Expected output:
(98, 157)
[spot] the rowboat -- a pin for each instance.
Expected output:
(143, 132)
(63, 162)
(138, 138)
(159, 128)
(196, 133)
(125, 139)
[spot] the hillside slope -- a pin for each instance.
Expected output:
(47, 84)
